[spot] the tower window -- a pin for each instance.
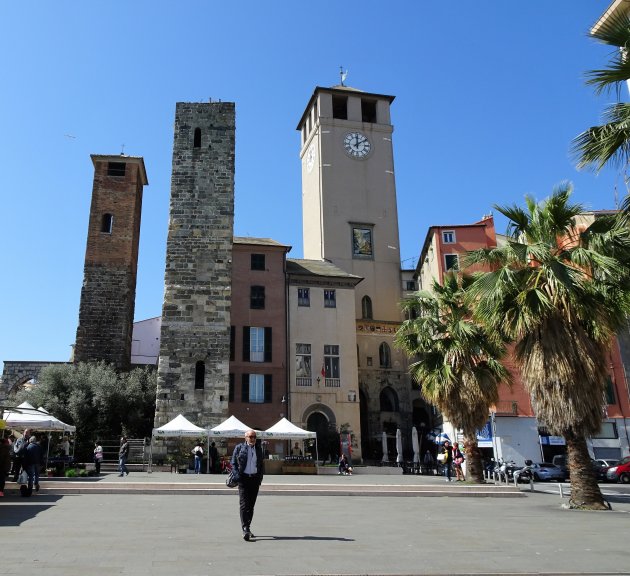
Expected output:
(257, 261)
(340, 107)
(384, 356)
(257, 297)
(366, 308)
(116, 168)
(197, 138)
(368, 110)
(200, 375)
(107, 223)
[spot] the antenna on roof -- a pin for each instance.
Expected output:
(122, 150)
(343, 75)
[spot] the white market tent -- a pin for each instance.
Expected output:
(179, 426)
(27, 416)
(285, 430)
(230, 428)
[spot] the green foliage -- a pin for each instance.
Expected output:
(70, 473)
(100, 402)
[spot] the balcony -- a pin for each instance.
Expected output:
(303, 382)
(332, 383)
(506, 408)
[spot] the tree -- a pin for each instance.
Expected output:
(610, 142)
(559, 292)
(100, 402)
(457, 360)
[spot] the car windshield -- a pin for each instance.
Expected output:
(624, 460)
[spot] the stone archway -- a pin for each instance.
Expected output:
(321, 420)
(17, 373)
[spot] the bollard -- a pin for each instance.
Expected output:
(531, 484)
(560, 489)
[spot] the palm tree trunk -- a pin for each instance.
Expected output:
(474, 466)
(585, 492)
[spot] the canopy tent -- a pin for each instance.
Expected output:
(230, 428)
(285, 430)
(27, 416)
(177, 427)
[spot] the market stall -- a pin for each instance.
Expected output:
(285, 430)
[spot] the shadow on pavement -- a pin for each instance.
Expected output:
(16, 510)
(315, 538)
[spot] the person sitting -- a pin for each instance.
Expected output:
(344, 466)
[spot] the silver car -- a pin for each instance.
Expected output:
(545, 471)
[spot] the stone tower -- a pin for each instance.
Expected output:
(111, 261)
(193, 369)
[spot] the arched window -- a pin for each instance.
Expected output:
(200, 375)
(107, 223)
(388, 400)
(366, 307)
(385, 356)
(197, 140)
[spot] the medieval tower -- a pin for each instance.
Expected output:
(193, 368)
(111, 261)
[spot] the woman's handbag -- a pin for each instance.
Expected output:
(232, 480)
(441, 457)
(23, 477)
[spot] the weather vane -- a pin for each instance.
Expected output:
(342, 74)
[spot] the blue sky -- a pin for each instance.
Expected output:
(489, 95)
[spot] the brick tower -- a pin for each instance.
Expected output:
(111, 261)
(193, 369)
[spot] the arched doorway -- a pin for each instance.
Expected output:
(324, 425)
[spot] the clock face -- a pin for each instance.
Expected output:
(310, 157)
(356, 145)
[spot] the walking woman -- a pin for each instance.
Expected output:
(447, 450)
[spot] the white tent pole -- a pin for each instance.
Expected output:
(208, 454)
(47, 449)
(151, 454)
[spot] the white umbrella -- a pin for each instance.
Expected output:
(385, 454)
(399, 449)
(416, 445)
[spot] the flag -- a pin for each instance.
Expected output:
(323, 371)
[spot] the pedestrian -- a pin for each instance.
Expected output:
(427, 462)
(123, 454)
(5, 463)
(458, 460)
(98, 457)
(198, 453)
(447, 450)
(19, 451)
(247, 463)
(32, 463)
(344, 466)
(213, 455)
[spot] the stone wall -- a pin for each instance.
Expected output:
(196, 312)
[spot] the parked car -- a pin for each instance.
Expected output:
(561, 462)
(545, 471)
(620, 472)
(601, 468)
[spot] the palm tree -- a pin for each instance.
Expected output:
(610, 142)
(559, 293)
(457, 360)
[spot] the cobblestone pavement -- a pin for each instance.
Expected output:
(198, 534)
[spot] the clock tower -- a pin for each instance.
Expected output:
(349, 217)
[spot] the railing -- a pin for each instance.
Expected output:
(332, 383)
(507, 407)
(303, 381)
